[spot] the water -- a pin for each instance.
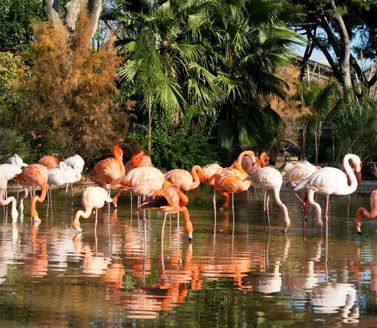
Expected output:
(233, 274)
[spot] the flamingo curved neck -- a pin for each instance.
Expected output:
(195, 176)
(349, 172)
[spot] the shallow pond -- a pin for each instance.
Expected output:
(235, 273)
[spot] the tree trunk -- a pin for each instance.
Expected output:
(74, 7)
(345, 66)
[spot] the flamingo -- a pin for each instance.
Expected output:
(137, 160)
(50, 161)
(185, 180)
(34, 175)
(232, 179)
(362, 211)
(92, 198)
(169, 200)
(331, 181)
(211, 171)
(269, 179)
(77, 163)
(8, 172)
(140, 181)
(108, 169)
(61, 175)
(299, 171)
(16, 160)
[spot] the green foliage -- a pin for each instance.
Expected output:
(12, 71)
(10, 144)
(16, 17)
(355, 128)
(321, 99)
(254, 129)
(178, 148)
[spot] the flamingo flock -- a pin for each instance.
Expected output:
(165, 192)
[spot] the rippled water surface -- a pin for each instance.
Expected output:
(235, 273)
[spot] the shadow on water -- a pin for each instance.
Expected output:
(236, 271)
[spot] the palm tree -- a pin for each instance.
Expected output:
(167, 65)
(187, 58)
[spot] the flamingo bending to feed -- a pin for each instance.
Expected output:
(108, 169)
(362, 211)
(185, 180)
(331, 181)
(169, 200)
(34, 175)
(141, 181)
(50, 161)
(8, 172)
(270, 179)
(92, 198)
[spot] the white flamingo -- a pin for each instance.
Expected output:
(8, 172)
(299, 171)
(16, 160)
(92, 198)
(331, 181)
(270, 179)
(77, 163)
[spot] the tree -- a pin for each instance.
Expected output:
(69, 101)
(169, 66)
(334, 27)
(16, 17)
(321, 99)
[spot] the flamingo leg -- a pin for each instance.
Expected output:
(317, 207)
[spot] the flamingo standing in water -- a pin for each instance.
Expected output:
(108, 169)
(362, 211)
(169, 200)
(141, 181)
(232, 180)
(331, 181)
(76, 162)
(92, 198)
(270, 179)
(185, 180)
(301, 170)
(8, 172)
(34, 175)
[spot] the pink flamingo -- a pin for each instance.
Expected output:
(233, 179)
(169, 200)
(331, 181)
(140, 181)
(34, 175)
(362, 211)
(185, 180)
(92, 198)
(50, 161)
(108, 169)
(137, 160)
